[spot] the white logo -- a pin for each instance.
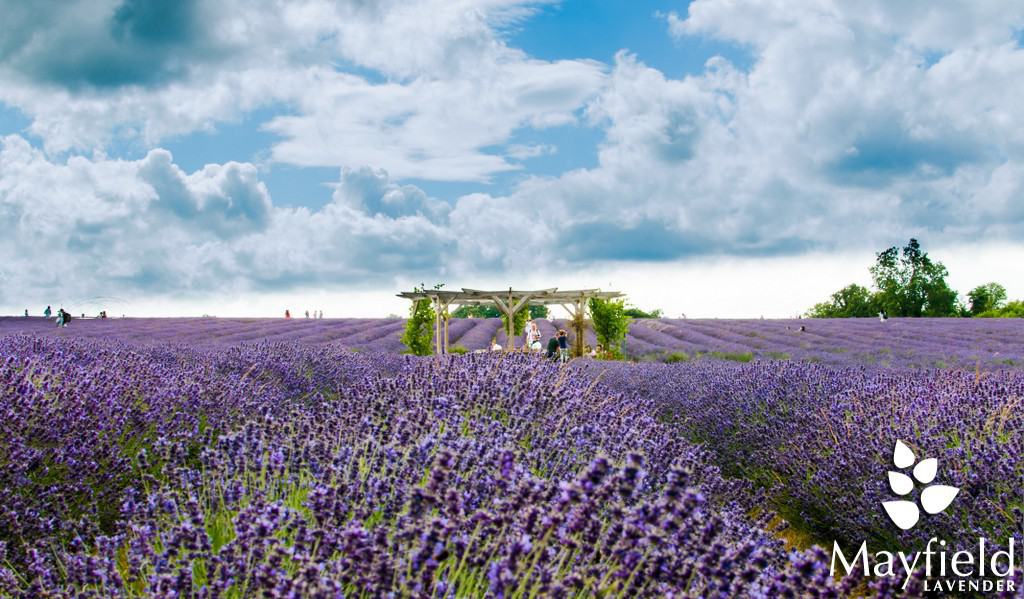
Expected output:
(934, 498)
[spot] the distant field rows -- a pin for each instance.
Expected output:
(898, 342)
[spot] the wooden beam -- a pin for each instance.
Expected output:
(446, 318)
(437, 326)
(509, 343)
(519, 305)
(578, 319)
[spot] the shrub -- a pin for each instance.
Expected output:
(677, 356)
(419, 329)
(610, 324)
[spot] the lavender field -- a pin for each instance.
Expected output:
(915, 343)
(266, 458)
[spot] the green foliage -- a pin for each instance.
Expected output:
(490, 311)
(907, 283)
(911, 284)
(677, 356)
(986, 298)
(483, 311)
(458, 349)
(610, 323)
(634, 312)
(519, 324)
(419, 329)
(1010, 310)
(849, 302)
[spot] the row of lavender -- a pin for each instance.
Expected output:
(928, 343)
(908, 342)
(819, 440)
(280, 470)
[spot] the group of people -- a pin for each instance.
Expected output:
(63, 316)
(557, 346)
(317, 315)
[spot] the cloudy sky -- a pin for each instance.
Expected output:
(713, 158)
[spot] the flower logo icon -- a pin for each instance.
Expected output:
(934, 498)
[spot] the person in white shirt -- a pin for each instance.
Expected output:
(533, 336)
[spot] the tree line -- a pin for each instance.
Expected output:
(908, 282)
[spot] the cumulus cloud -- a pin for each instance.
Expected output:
(854, 127)
(86, 227)
(422, 89)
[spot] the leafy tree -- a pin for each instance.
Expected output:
(610, 323)
(491, 311)
(850, 301)
(986, 298)
(482, 311)
(909, 283)
(634, 312)
(538, 311)
(1010, 310)
(519, 324)
(419, 329)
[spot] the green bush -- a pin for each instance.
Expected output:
(677, 356)
(1010, 310)
(610, 324)
(419, 329)
(458, 349)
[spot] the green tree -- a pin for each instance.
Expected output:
(491, 311)
(419, 329)
(634, 312)
(610, 323)
(985, 298)
(1010, 310)
(909, 283)
(519, 324)
(851, 301)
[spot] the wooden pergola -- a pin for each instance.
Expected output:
(509, 302)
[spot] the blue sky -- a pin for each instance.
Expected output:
(205, 150)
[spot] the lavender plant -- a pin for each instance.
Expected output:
(273, 470)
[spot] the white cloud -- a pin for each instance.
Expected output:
(445, 90)
(854, 128)
(86, 227)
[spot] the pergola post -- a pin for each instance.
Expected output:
(437, 325)
(446, 318)
(504, 310)
(578, 322)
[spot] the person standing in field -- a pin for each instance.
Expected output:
(552, 348)
(47, 312)
(563, 346)
(534, 338)
(26, 312)
(287, 314)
